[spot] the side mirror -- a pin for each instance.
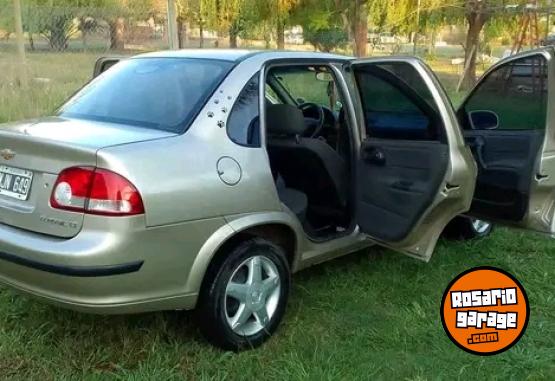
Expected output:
(483, 120)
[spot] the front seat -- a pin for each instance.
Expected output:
(308, 164)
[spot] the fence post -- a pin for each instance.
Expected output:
(172, 25)
(20, 44)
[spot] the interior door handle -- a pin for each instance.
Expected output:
(403, 185)
(374, 155)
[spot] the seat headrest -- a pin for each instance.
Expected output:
(285, 120)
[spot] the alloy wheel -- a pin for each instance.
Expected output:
(480, 226)
(252, 296)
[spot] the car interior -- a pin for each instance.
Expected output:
(504, 122)
(403, 160)
(309, 147)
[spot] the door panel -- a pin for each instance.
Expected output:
(516, 184)
(401, 180)
(506, 160)
(414, 172)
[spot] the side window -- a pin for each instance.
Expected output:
(307, 84)
(243, 126)
(513, 97)
(397, 103)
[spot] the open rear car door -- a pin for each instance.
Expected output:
(509, 122)
(414, 172)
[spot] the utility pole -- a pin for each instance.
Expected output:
(20, 44)
(417, 29)
(172, 25)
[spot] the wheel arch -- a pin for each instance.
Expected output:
(279, 228)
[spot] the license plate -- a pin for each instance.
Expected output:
(15, 182)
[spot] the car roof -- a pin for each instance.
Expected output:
(238, 55)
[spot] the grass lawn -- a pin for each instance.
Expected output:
(371, 315)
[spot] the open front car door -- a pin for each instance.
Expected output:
(509, 122)
(414, 172)
(105, 63)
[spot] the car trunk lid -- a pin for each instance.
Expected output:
(33, 153)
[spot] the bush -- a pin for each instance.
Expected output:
(327, 39)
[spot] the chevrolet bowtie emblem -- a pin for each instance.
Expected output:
(7, 154)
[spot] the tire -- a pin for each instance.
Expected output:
(467, 228)
(232, 291)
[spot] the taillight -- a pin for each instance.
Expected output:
(96, 191)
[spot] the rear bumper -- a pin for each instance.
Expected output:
(114, 266)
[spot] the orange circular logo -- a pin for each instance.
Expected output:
(485, 311)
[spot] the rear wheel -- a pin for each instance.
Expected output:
(245, 295)
(467, 228)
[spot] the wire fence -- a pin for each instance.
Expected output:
(62, 29)
(63, 43)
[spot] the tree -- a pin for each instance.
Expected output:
(359, 15)
(188, 14)
(327, 39)
(57, 26)
(323, 26)
(284, 9)
(53, 19)
(7, 22)
(274, 12)
(477, 13)
(354, 16)
(88, 25)
(229, 18)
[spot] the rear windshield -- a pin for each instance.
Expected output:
(157, 93)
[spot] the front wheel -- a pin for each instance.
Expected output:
(245, 295)
(467, 228)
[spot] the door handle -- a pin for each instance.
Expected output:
(374, 155)
(403, 185)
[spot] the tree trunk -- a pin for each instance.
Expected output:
(471, 53)
(186, 31)
(432, 41)
(477, 18)
(232, 38)
(345, 19)
(360, 28)
(267, 37)
(117, 34)
(280, 35)
(201, 32)
(180, 34)
(22, 60)
(31, 41)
